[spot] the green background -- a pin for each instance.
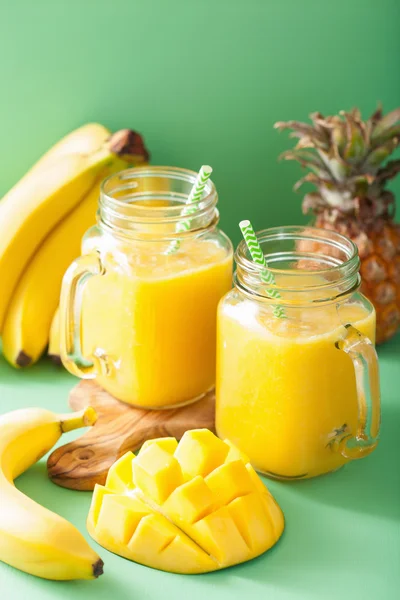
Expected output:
(204, 82)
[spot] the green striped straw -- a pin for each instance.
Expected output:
(258, 257)
(191, 205)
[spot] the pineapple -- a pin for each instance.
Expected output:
(347, 161)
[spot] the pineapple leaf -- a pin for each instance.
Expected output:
(317, 118)
(304, 142)
(365, 178)
(388, 204)
(384, 123)
(321, 124)
(315, 180)
(355, 146)
(388, 134)
(379, 154)
(306, 158)
(367, 133)
(338, 168)
(346, 156)
(361, 186)
(371, 122)
(356, 114)
(303, 129)
(338, 136)
(389, 171)
(376, 115)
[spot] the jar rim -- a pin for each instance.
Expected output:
(301, 232)
(335, 279)
(124, 181)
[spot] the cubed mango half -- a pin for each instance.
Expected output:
(191, 507)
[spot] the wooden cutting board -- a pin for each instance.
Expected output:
(119, 428)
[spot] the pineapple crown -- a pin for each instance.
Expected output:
(347, 161)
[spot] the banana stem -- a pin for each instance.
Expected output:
(82, 418)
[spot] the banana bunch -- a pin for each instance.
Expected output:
(32, 538)
(42, 221)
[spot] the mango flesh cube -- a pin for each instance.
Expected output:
(271, 506)
(253, 522)
(169, 444)
(235, 454)
(159, 544)
(156, 472)
(199, 452)
(119, 476)
(153, 534)
(218, 535)
(229, 481)
(195, 559)
(276, 515)
(191, 507)
(119, 517)
(189, 502)
(97, 500)
(257, 483)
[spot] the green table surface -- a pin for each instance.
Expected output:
(342, 537)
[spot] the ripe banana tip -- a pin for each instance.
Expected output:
(129, 144)
(82, 418)
(55, 359)
(98, 568)
(23, 359)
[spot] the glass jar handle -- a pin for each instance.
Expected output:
(75, 278)
(363, 354)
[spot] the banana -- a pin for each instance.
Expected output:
(27, 321)
(30, 312)
(32, 538)
(30, 211)
(83, 140)
(53, 351)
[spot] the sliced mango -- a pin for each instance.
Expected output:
(229, 481)
(159, 544)
(218, 535)
(119, 476)
(191, 507)
(119, 517)
(235, 454)
(152, 536)
(199, 452)
(183, 555)
(253, 522)
(169, 444)
(97, 500)
(156, 472)
(190, 502)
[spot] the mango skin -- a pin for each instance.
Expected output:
(193, 507)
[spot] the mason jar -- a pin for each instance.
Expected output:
(297, 374)
(138, 308)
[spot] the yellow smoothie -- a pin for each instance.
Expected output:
(154, 315)
(283, 387)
